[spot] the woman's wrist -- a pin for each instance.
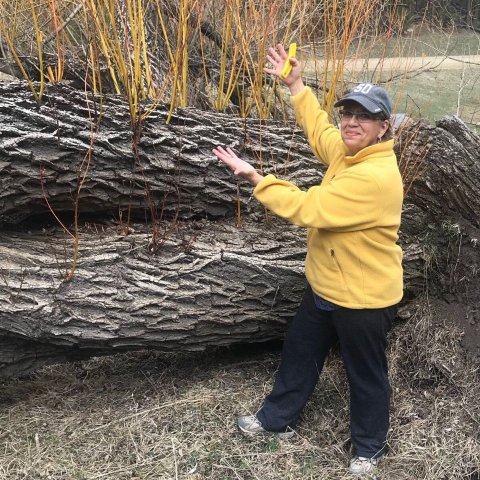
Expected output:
(254, 178)
(296, 87)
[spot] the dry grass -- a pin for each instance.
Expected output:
(156, 416)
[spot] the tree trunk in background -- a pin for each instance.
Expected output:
(207, 281)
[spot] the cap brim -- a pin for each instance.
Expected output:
(362, 100)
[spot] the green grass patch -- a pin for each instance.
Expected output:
(434, 94)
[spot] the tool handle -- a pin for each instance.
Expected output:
(287, 67)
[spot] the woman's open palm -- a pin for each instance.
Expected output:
(237, 165)
(277, 58)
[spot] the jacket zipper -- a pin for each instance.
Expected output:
(334, 258)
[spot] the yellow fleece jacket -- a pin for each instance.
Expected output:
(352, 217)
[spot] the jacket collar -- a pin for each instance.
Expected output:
(381, 149)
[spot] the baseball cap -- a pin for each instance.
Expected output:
(372, 97)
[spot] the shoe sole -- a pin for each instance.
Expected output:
(282, 435)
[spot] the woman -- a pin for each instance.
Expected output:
(353, 264)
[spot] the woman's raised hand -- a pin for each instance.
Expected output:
(237, 165)
(277, 58)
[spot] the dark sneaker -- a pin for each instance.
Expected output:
(250, 425)
(363, 465)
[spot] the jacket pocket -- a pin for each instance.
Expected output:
(334, 258)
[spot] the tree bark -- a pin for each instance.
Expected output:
(43, 150)
(207, 282)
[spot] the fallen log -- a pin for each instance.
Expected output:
(43, 150)
(208, 282)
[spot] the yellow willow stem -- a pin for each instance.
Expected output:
(333, 65)
(180, 64)
(164, 32)
(226, 32)
(146, 61)
(204, 65)
(117, 47)
(184, 50)
(130, 76)
(93, 63)
(234, 76)
(253, 67)
(123, 62)
(113, 52)
(21, 67)
(247, 55)
(267, 102)
(252, 76)
(183, 101)
(355, 15)
(235, 72)
(150, 109)
(169, 52)
(174, 94)
(267, 94)
(58, 74)
(136, 72)
(39, 38)
(103, 43)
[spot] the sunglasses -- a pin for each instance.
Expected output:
(362, 117)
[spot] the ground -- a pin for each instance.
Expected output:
(154, 416)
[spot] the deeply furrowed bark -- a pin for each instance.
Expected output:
(47, 144)
(207, 282)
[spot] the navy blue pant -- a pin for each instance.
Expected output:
(362, 335)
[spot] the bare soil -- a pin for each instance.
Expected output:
(400, 64)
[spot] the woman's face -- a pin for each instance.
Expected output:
(361, 131)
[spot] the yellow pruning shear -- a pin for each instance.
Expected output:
(287, 67)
